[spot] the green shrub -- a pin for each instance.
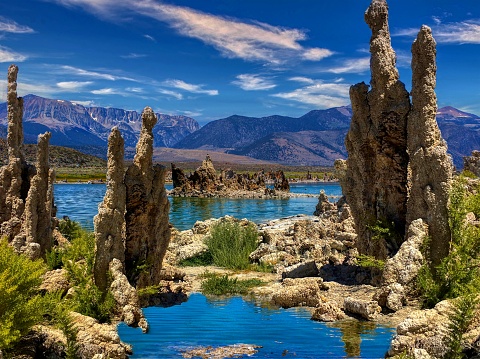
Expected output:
(20, 303)
(79, 259)
(202, 259)
(365, 261)
(215, 284)
(70, 229)
(231, 243)
(459, 273)
(54, 258)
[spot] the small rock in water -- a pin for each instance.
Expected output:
(229, 351)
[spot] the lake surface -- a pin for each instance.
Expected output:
(282, 333)
(80, 203)
(203, 322)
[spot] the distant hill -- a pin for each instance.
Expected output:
(58, 156)
(74, 125)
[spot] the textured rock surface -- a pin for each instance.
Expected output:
(109, 223)
(37, 216)
(368, 310)
(147, 208)
(100, 341)
(299, 292)
(396, 152)
(301, 270)
(376, 176)
(430, 166)
(26, 203)
(126, 297)
(472, 163)
(328, 312)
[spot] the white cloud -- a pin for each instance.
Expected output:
(252, 82)
(7, 25)
(251, 41)
(7, 55)
(464, 32)
(86, 103)
(94, 74)
(302, 79)
(320, 94)
(182, 85)
(106, 91)
(151, 38)
(73, 85)
(352, 66)
(177, 95)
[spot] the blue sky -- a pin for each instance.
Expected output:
(212, 59)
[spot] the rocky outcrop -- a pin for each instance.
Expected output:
(396, 153)
(430, 166)
(299, 292)
(368, 310)
(472, 163)
(126, 297)
(376, 176)
(26, 193)
(109, 223)
(147, 208)
(204, 182)
(95, 340)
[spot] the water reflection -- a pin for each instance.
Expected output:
(352, 332)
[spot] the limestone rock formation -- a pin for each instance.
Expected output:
(147, 208)
(109, 223)
(26, 193)
(299, 292)
(430, 166)
(396, 153)
(368, 310)
(376, 177)
(472, 163)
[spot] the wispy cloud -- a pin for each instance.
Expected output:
(73, 85)
(7, 55)
(351, 66)
(93, 74)
(252, 82)
(107, 91)
(318, 93)
(302, 79)
(8, 25)
(464, 32)
(251, 41)
(133, 55)
(150, 37)
(182, 85)
(177, 95)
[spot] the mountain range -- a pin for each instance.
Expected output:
(316, 138)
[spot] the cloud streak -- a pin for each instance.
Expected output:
(317, 93)
(7, 25)
(464, 32)
(94, 74)
(7, 55)
(182, 85)
(250, 41)
(252, 82)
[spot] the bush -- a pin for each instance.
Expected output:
(202, 259)
(20, 303)
(70, 229)
(215, 284)
(230, 244)
(79, 259)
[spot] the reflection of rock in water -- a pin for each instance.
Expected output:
(351, 332)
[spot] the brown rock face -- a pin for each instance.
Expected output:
(430, 166)
(25, 203)
(472, 163)
(109, 223)
(384, 131)
(147, 207)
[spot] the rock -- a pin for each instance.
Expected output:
(324, 206)
(430, 166)
(147, 209)
(55, 281)
(328, 312)
(126, 297)
(395, 150)
(37, 216)
(301, 270)
(26, 193)
(404, 266)
(298, 292)
(97, 340)
(109, 223)
(423, 332)
(230, 351)
(368, 310)
(391, 297)
(472, 163)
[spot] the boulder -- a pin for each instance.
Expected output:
(367, 309)
(328, 312)
(301, 270)
(298, 292)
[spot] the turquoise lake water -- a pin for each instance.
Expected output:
(202, 322)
